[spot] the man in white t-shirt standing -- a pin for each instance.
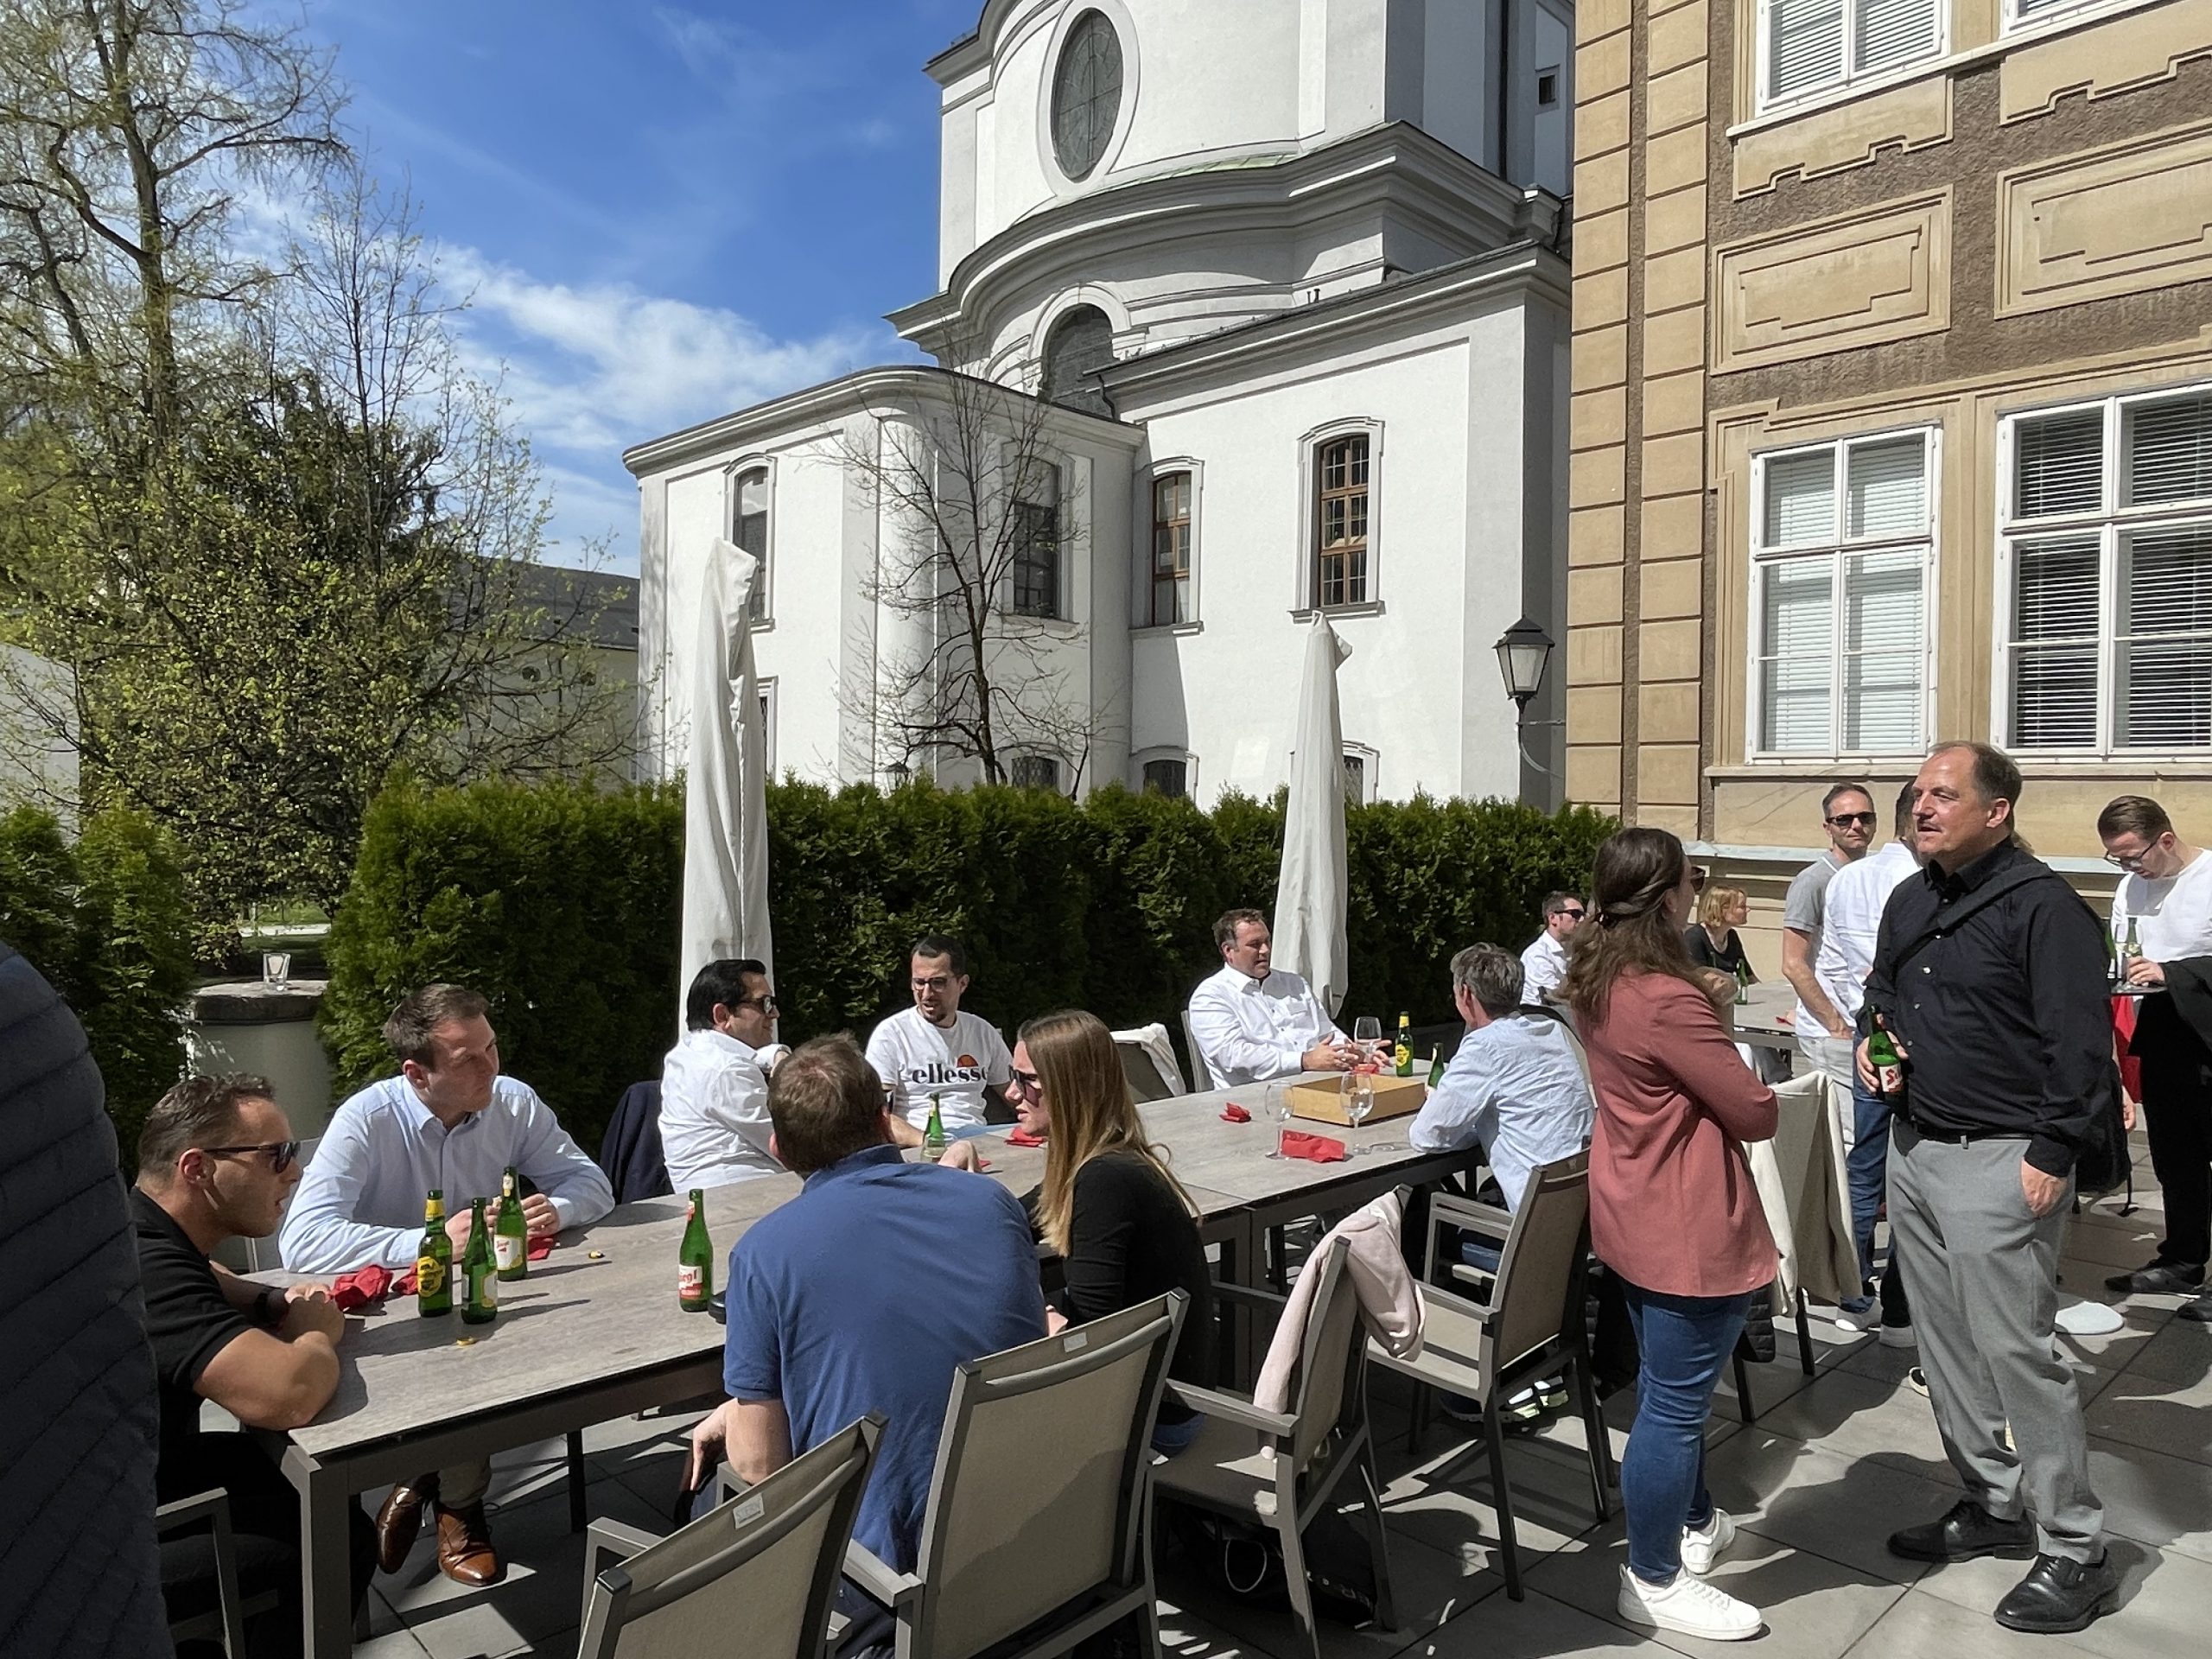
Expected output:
(1543, 964)
(1823, 1034)
(934, 1051)
(1253, 1021)
(714, 1084)
(1851, 920)
(2166, 895)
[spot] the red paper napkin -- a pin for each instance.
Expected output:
(1023, 1138)
(1233, 1113)
(1315, 1148)
(364, 1288)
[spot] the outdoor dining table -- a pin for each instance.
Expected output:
(1766, 1018)
(595, 1333)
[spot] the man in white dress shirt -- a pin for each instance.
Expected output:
(1851, 918)
(450, 1122)
(1251, 1023)
(714, 1085)
(934, 1052)
(1543, 964)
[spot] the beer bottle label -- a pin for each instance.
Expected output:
(429, 1275)
(507, 1252)
(483, 1288)
(690, 1282)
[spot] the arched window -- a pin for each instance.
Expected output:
(1080, 343)
(751, 527)
(1034, 771)
(1086, 94)
(1169, 776)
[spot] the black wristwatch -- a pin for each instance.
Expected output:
(268, 1307)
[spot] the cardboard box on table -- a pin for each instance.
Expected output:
(1327, 1102)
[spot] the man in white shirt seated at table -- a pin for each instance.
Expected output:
(448, 1121)
(1251, 1021)
(934, 1052)
(1543, 964)
(714, 1085)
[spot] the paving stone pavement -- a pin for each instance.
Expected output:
(1830, 1466)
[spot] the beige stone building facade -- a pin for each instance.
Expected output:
(1892, 408)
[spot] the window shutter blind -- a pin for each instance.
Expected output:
(1886, 490)
(1797, 646)
(1890, 32)
(2058, 464)
(2167, 450)
(1801, 499)
(2165, 658)
(2054, 687)
(1804, 45)
(1884, 641)
(2025, 10)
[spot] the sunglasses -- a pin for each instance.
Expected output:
(1841, 819)
(280, 1154)
(1028, 1080)
(1574, 915)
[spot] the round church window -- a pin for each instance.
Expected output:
(1086, 94)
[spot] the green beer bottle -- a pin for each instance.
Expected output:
(933, 1136)
(511, 1244)
(1435, 1067)
(479, 1273)
(1402, 1057)
(694, 1259)
(1882, 1056)
(434, 1260)
(1743, 983)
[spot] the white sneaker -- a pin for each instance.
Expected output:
(1898, 1336)
(1688, 1605)
(1702, 1548)
(1859, 1324)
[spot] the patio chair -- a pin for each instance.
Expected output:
(226, 1621)
(1201, 1079)
(1530, 1327)
(1036, 1536)
(1149, 1063)
(758, 1574)
(1281, 1469)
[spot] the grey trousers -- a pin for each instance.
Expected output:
(1982, 1274)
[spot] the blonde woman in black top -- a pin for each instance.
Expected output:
(1109, 1205)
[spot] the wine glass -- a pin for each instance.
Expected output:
(1367, 1033)
(1361, 1102)
(1277, 1104)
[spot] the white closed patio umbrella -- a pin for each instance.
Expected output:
(1309, 920)
(725, 797)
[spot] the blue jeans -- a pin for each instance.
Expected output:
(1867, 1167)
(1684, 1341)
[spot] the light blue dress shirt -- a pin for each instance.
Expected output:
(361, 1198)
(1517, 1086)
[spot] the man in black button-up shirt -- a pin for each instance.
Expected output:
(1989, 971)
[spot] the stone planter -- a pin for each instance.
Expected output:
(244, 1026)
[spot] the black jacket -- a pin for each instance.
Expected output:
(80, 1577)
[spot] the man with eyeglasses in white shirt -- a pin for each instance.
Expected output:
(714, 1085)
(1543, 964)
(933, 1053)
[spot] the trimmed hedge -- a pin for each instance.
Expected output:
(108, 924)
(563, 905)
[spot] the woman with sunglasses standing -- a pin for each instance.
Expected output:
(1109, 1206)
(1673, 1213)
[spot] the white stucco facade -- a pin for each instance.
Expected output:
(1279, 225)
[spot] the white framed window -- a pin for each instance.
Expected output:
(2023, 14)
(752, 485)
(2104, 575)
(1843, 555)
(1363, 766)
(1168, 586)
(1167, 774)
(768, 690)
(1809, 46)
(1034, 771)
(1036, 531)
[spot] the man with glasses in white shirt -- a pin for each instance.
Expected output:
(1823, 1034)
(714, 1085)
(934, 1054)
(1253, 1021)
(1543, 964)
(1851, 920)
(2165, 894)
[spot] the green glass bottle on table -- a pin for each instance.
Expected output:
(511, 1241)
(694, 1259)
(480, 1272)
(933, 1141)
(1402, 1057)
(1743, 983)
(2129, 951)
(1435, 1067)
(434, 1260)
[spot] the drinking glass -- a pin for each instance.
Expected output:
(1276, 1103)
(1367, 1033)
(1361, 1103)
(276, 969)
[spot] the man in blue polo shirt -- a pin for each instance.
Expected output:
(863, 1293)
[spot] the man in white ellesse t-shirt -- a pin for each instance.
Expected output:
(934, 1049)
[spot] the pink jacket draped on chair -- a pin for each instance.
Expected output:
(1388, 1305)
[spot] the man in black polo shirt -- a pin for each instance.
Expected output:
(217, 1161)
(1990, 973)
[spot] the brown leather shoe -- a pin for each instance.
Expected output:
(464, 1551)
(401, 1518)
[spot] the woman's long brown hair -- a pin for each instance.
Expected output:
(1629, 931)
(1092, 1111)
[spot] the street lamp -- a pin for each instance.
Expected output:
(1524, 650)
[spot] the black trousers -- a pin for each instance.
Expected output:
(2177, 1109)
(265, 1532)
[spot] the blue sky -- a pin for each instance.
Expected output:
(662, 213)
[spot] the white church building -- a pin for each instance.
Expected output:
(1271, 297)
